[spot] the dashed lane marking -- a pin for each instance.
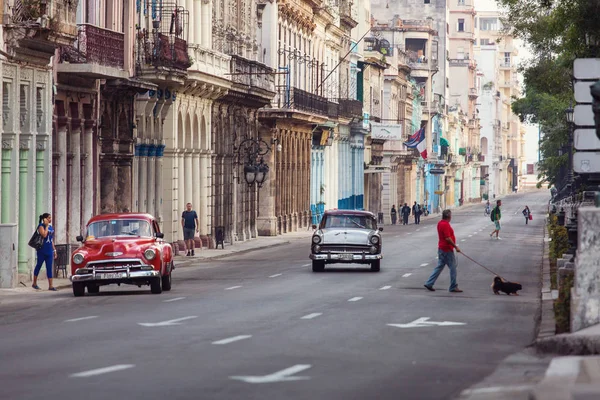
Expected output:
(424, 264)
(355, 299)
(175, 299)
(275, 276)
(81, 319)
(311, 316)
(406, 275)
(100, 371)
(232, 339)
(233, 287)
(385, 288)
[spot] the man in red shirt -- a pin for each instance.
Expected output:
(446, 246)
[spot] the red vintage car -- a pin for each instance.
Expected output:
(126, 248)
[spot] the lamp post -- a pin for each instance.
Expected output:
(569, 113)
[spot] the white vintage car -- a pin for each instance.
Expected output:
(346, 236)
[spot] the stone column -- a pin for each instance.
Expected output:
(205, 193)
(197, 27)
(24, 203)
(159, 179)
(40, 178)
(7, 211)
(189, 6)
(180, 206)
(142, 176)
(195, 183)
(188, 182)
(75, 192)
(88, 174)
(266, 223)
(206, 36)
(151, 177)
(60, 219)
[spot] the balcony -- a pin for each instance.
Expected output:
(209, 61)
(420, 25)
(300, 100)
(350, 108)
(506, 65)
(253, 74)
(98, 53)
(348, 15)
(161, 53)
(464, 35)
(35, 29)
(473, 93)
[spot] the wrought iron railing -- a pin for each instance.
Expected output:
(96, 45)
(252, 73)
(350, 108)
(297, 99)
(157, 50)
(333, 109)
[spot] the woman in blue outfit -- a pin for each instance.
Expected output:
(47, 253)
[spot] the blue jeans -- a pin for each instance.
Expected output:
(444, 258)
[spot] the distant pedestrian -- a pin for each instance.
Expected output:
(190, 224)
(47, 253)
(446, 256)
(527, 214)
(405, 214)
(393, 214)
(416, 209)
(496, 216)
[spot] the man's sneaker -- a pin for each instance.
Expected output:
(192, 252)
(188, 254)
(456, 290)
(430, 288)
(492, 234)
(498, 238)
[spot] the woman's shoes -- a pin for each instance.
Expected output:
(36, 287)
(53, 289)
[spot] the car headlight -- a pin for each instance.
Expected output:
(316, 239)
(149, 254)
(78, 258)
(317, 249)
(373, 249)
(374, 239)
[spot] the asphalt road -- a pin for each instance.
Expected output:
(262, 326)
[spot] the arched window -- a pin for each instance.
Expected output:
(484, 146)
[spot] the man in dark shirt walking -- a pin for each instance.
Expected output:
(405, 214)
(446, 246)
(189, 223)
(416, 209)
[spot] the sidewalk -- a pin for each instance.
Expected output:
(540, 372)
(259, 243)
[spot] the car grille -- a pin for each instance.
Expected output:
(344, 248)
(114, 264)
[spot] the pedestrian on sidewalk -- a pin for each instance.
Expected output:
(393, 214)
(526, 214)
(416, 209)
(405, 214)
(496, 216)
(446, 246)
(190, 224)
(47, 253)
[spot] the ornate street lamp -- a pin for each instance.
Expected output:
(570, 114)
(250, 154)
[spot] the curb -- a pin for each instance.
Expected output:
(187, 262)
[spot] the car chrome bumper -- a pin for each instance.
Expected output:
(345, 257)
(127, 275)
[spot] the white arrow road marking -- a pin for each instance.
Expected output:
(424, 321)
(355, 299)
(233, 287)
(385, 288)
(232, 339)
(281, 376)
(275, 276)
(166, 323)
(101, 371)
(311, 316)
(175, 299)
(81, 319)
(406, 275)
(424, 264)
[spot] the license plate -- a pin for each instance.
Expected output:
(347, 256)
(115, 275)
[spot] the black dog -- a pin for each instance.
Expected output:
(507, 287)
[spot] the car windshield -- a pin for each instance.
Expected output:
(348, 221)
(119, 227)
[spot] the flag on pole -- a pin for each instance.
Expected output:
(417, 141)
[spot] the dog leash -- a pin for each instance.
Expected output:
(481, 265)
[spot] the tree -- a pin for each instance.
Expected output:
(557, 31)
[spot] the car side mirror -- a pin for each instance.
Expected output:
(160, 235)
(314, 227)
(79, 238)
(380, 229)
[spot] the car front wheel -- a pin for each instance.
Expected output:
(318, 266)
(166, 283)
(78, 289)
(155, 286)
(376, 266)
